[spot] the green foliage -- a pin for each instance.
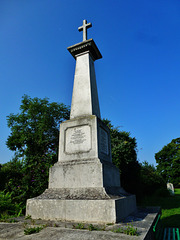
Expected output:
(11, 171)
(151, 181)
(129, 230)
(140, 179)
(8, 218)
(118, 230)
(124, 156)
(170, 207)
(12, 174)
(168, 162)
(79, 226)
(91, 227)
(8, 207)
(34, 138)
(31, 230)
(5, 201)
(36, 128)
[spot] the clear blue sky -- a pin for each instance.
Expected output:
(138, 77)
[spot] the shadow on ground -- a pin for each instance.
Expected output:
(171, 221)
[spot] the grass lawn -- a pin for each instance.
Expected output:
(170, 208)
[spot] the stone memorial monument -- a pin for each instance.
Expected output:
(84, 185)
(170, 188)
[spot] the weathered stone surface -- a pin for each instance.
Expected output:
(143, 220)
(83, 193)
(84, 28)
(84, 174)
(88, 45)
(84, 138)
(100, 211)
(55, 233)
(11, 231)
(85, 96)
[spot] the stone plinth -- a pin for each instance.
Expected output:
(84, 156)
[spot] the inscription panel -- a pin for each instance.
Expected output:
(104, 146)
(78, 139)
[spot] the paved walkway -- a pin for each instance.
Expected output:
(56, 230)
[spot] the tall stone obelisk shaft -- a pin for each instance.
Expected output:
(85, 97)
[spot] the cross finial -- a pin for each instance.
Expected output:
(84, 28)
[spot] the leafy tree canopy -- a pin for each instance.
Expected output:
(34, 138)
(151, 181)
(35, 130)
(168, 162)
(124, 156)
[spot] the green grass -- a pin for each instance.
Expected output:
(171, 215)
(170, 208)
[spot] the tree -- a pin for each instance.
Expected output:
(11, 178)
(34, 138)
(11, 171)
(168, 160)
(124, 156)
(151, 181)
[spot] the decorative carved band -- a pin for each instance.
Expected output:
(88, 45)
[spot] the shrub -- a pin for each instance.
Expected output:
(151, 181)
(7, 206)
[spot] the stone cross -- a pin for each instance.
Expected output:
(84, 28)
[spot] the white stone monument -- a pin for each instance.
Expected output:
(84, 185)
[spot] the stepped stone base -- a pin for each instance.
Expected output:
(109, 210)
(91, 173)
(84, 185)
(84, 193)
